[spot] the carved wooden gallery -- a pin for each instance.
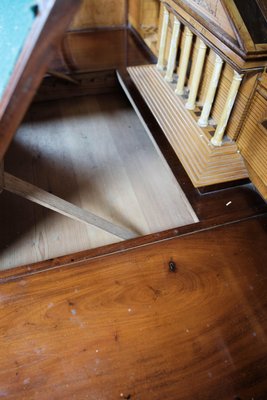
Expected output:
(133, 188)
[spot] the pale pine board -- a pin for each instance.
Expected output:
(93, 152)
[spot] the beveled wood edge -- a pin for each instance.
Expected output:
(246, 47)
(238, 26)
(78, 259)
(241, 61)
(222, 186)
(208, 23)
(236, 62)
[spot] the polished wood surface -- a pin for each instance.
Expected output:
(117, 321)
(126, 326)
(210, 207)
(99, 51)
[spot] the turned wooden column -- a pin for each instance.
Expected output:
(230, 101)
(204, 117)
(191, 102)
(163, 39)
(173, 50)
(184, 61)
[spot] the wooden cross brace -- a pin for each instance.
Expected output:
(48, 200)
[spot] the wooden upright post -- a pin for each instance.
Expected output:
(191, 102)
(204, 117)
(184, 61)
(173, 50)
(163, 39)
(230, 101)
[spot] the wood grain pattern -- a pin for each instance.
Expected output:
(231, 50)
(99, 51)
(124, 326)
(257, 181)
(94, 153)
(100, 13)
(143, 15)
(48, 200)
(91, 83)
(252, 37)
(245, 92)
(215, 12)
(204, 164)
(252, 140)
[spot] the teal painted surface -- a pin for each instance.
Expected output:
(16, 19)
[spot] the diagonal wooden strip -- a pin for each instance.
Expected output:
(63, 76)
(33, 193)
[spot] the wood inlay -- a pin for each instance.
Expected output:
(252, 140)
(204, 164)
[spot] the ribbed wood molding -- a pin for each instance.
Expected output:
(204, 163)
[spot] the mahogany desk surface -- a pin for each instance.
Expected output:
(125, 326)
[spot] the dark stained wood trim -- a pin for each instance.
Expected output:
(94, 50)
(76, 259)
(223, 186)
(217, 50)
(89, 83)
(96, 29)
(212, 28)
